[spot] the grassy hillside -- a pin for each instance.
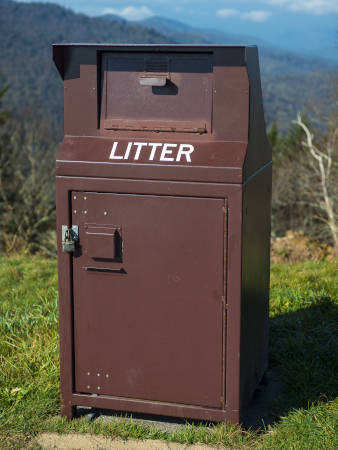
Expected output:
(303, 339)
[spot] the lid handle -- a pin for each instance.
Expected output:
(153, 80)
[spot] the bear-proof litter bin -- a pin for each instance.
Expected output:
(163, 185)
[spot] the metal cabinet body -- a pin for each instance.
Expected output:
(165, 169)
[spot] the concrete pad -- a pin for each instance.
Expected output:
(77, 441)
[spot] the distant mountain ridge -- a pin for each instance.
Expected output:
(171, 27)
(27, 31)
(290, 81)
(273, 61)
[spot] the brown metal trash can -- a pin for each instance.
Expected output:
(163, 185)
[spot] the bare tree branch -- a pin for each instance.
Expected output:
(324, 161)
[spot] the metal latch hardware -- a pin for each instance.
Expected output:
(153, 81)
(159, 80)
(70, 236)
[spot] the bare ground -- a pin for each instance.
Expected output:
(77, 441)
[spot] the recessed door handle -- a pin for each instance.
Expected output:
(104, 270)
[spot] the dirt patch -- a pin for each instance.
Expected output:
(296, 247)
(77, 441)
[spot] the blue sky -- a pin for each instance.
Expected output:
(309, 26)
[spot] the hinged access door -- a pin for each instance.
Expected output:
(153, 92)
(148, 288)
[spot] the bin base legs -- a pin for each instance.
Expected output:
(68, 411)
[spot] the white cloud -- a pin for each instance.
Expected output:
(309, 6)
(256, 16)
(226, 12)
(131, 12)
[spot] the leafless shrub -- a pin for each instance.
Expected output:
(321, 190)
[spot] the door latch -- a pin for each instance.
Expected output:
(70, 236)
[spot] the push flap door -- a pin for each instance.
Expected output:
(160, 92)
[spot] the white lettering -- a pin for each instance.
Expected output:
(140, 145)
(126, 156)
(186, 153)
(165, 151)
(153, 151)
(113, 150)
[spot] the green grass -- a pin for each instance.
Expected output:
(303, 342)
